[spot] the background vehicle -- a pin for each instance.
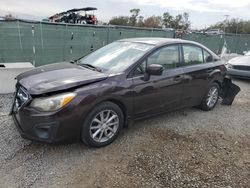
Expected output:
(75, 16)
(228, 56)
(214, 32)
(168, 29)
(126, 80)
(179, 33)
(239, 66)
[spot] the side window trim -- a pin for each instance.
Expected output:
(141, 60)
(178, 64)
(178, 61)
(182, 53)
(133, 75)
(203, 55)
(204, 50)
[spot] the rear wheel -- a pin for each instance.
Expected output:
(211, 98)
(102, 125)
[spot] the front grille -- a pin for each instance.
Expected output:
(242, 67)
(21, 97)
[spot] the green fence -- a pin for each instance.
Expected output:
(235, 43)
(42, 43)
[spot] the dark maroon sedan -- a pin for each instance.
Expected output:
(94, 97)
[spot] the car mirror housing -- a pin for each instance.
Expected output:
(209, 59)
(155, 69)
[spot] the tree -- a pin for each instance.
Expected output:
(246, 27)
(180, 21)
(121, 20)
(133, 19)
(153, 21)
(9, 17)
(140, 22)
(167, 20)
(234, 25)
(185, 21)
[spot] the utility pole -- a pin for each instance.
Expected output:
(237, 22)
(225, 22)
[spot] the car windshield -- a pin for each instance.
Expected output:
(116, 57)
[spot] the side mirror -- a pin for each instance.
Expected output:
(155, 69)
(209, 59)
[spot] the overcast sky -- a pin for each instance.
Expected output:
(202, 12)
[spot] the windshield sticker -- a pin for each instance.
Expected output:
(141, 48)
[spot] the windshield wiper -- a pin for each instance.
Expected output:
(91, 67)
(73, 61)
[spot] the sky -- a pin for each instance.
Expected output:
(202, 12)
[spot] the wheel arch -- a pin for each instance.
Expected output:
(217, 78)
(120, 104)
(218, 82)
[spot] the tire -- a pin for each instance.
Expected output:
(102, 125)
(211, 97)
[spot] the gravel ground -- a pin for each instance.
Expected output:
(187, 148)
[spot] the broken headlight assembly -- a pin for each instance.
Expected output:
(229, 66)
(52, 103)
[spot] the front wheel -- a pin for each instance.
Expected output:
(211, 98)
(102, 125)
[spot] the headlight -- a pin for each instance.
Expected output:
(53, 102)
(229, 66)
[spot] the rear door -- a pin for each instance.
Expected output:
(159, 93)
(197, 65)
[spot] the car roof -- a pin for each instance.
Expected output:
(157, 41)
(162, 41)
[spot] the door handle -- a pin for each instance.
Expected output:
(177, 78)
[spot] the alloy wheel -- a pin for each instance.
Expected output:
(104, 126)
(212, 97)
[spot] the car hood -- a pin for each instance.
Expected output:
(242, 60)
(58, 76)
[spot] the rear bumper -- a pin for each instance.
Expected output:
(228, 91)
(239, 73)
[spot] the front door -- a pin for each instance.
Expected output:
(161, 92)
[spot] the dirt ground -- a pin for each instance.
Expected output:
(186, 148)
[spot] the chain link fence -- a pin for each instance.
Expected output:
(42, 43)
(234, 43)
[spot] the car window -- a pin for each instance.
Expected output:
(192, 55)
(207, 57)
(140, 69)
(167, 56)
(116, 57)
